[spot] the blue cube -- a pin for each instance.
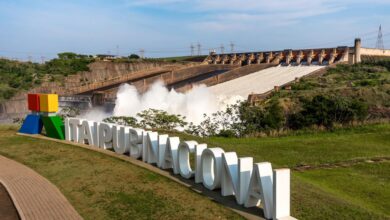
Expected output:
(32, 124)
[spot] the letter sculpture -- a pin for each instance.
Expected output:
(251, 184)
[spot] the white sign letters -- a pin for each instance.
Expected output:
(251, 184)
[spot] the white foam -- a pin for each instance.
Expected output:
(261, 81)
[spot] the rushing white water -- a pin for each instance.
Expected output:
(262, 81)
(201, 99)
(192, 104)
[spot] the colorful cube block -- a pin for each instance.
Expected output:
(48, 102)
(33, 102)
(54, 127)
(31, 125)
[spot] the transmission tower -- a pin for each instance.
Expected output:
(192, 50)
(199, 48)
(142, 53)
(232, 47)
(222, 49)
(379, 41)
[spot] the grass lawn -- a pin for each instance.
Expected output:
(102, 187)
(346, 175)
(343, 180)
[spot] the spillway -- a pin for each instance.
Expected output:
(262, 81)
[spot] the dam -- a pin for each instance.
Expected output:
(240, 74)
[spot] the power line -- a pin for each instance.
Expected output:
(199, 48)
(340, 41)
(222, 49)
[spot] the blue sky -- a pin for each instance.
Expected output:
(39, 28)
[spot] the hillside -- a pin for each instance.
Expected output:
(368, 82)
(16, 76)
(71, 70)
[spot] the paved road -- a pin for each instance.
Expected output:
(34, 197)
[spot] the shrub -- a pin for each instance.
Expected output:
(134, 56)
(158, 119)
(326, 111)
(239, 120)
(150, 119)
(256, 119)
(69, 112)
(122, 120)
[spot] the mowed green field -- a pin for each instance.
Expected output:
(344, 174)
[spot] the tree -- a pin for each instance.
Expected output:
(159, 119)
(328, 110)
(122, 120)
(134, 56)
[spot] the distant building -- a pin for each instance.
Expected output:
(105, 57)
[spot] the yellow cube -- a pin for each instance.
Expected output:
(48, 102)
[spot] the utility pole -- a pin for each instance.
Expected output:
(192, 50)
(232, 47)
(142, 53)
(42, 59)
(379, 41)
(199, 48)
(222, 49)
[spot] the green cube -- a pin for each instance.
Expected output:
(54, 127)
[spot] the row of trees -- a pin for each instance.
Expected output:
(243, 119)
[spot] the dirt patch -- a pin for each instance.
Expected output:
(7, 208)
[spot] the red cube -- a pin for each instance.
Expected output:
(33, 102)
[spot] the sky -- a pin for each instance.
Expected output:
(39, 29)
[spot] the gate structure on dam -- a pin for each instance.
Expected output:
(321, 56)
(287, 57)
